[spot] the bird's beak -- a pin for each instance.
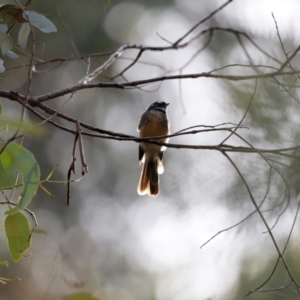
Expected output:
(167, 104)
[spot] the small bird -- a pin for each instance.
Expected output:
(154, 122)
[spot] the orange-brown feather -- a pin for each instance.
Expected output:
(154, 127)
(148, 183)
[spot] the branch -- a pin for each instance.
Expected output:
(202, 21)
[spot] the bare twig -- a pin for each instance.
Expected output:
(277, 261)
(132, 64)
(270, 290)
(83, 164)
(69, 36)
(202, 21)
(282, 46)
(71, 169)
(244, 115)
(246, 218)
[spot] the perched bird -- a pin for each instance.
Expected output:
(154, 122)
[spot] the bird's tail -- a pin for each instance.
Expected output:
(149, 181)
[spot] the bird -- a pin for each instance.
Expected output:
(154, 122)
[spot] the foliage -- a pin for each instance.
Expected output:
(17, 162)
(18, 235)
(12, 15)
(19, 170)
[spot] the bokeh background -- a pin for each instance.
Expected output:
(114, 244)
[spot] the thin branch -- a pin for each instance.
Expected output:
(202, 21)
(164, 39)
(271, 290)
(71, 169)
(280, 255)
(244, 115)
(60, 60)
(69, 36)
(81, 150)
(289, 59)
(106, 134)
(130, 65)
(246, 218)
(123, 85)
(267, 280)
(281, 43)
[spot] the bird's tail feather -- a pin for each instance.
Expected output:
(149, 181)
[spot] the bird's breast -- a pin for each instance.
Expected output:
(154, 124)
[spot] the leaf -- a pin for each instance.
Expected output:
(23, 35)
(11, 54)
(3, 28)
(40, 22)
(10, 14)
(18, 235)
(4, 280)
(6, 42)
(107, 2)
(16, 158)
(6, 181)
(16, 50)
(80, 296)
(4, 263)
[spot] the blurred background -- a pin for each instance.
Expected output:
(112, 243)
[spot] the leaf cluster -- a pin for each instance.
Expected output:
(11, 16)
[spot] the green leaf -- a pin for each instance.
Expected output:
(16, 158)
(6, 181)
(4, 263)
(107, 2)
(40, 22)
(23, 35)
(4, 280)
(80, 296)
(18, 235)
(10, 14)
(6, 42)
